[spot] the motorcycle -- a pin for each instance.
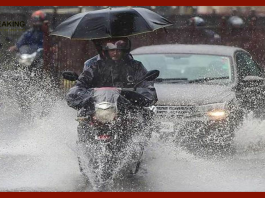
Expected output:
(113, 132)
(33, 62)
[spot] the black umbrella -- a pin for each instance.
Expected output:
(110, 22)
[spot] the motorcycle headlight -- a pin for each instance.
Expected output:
(105, 112)
(217, 111)
(27, 59)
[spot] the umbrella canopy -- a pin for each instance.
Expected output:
(109, 23)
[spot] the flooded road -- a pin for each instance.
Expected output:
(41, 156)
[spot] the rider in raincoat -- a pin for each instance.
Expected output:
(31, 40)
(113, 67)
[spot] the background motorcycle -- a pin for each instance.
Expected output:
(112, 132)
(31, 62)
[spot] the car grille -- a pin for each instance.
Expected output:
(175, 111)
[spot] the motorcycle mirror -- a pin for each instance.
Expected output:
(70, 75)
(150, 76)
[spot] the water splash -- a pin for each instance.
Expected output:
(102, 166)
(32, 94)
(41, 155)
(250, 137)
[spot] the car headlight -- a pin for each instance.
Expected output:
(217, 111)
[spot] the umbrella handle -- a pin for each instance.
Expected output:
(165, 30)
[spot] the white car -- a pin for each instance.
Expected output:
(203, 90)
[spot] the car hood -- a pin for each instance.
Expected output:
(192, 94)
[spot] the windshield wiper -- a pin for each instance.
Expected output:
(171, 79)
(206, 79)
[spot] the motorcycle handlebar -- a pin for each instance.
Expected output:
(131, 95)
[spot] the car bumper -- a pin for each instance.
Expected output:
(199, 128)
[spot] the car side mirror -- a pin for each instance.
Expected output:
(70, 75)
(252, 81)
(150, 76)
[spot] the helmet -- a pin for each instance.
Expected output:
(196, 21)
(235, 22)
(112, 43)
(116, 43)
(38, 17)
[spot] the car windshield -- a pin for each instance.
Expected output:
(189, 67)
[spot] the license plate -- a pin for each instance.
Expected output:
(166, 127)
